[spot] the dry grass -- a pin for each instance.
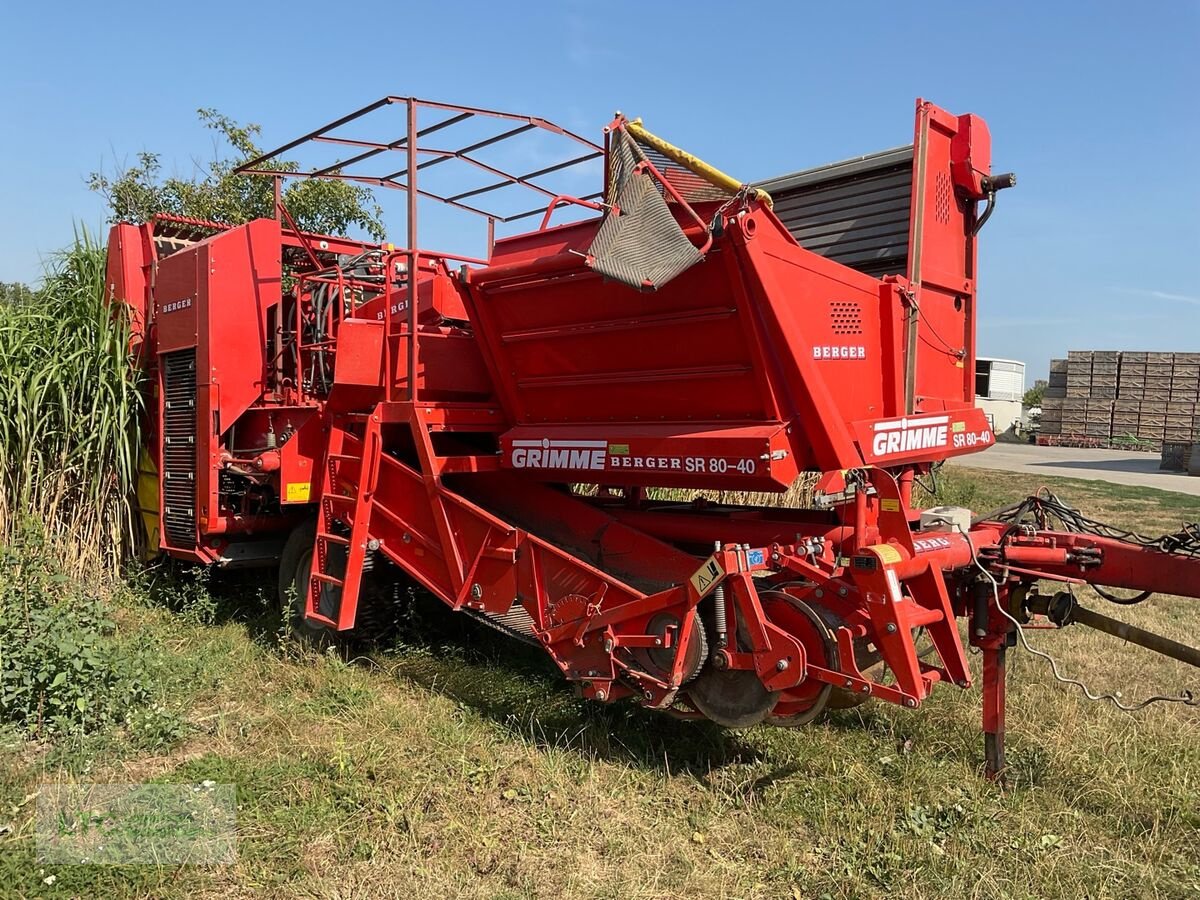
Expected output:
(459, 765)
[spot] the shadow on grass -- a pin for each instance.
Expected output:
(212, 596)
(514, 685)
(518, 687)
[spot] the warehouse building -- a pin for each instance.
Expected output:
(999, 387)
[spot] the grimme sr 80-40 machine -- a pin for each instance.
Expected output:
(525, 435)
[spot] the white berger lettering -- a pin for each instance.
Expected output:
(548, 454)
(397, 308)
(925, 545)
(906, 435)
(839, 351)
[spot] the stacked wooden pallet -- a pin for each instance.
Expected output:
(1122, 398)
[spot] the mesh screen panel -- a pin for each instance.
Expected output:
(639, 242)
(690, 186)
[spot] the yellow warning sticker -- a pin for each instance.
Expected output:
(958, 427)
(886, 552)
(299, 492)
(618, 449)
(889, 505)
(707, 576)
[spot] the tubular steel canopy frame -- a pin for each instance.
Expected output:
(420, 156)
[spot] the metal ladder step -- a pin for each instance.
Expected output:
(357, 514)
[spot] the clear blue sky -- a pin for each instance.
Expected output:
(1094, 105)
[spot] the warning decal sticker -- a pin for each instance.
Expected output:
(707, 576)
(887, 553)
(299, 492)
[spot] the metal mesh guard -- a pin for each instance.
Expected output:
(639, 243)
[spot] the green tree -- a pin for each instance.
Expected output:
(217, 194)
(14, 293)
(1035, 395)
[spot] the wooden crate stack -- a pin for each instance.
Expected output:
(1122, 398)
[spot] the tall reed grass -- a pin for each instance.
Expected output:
(69, 404)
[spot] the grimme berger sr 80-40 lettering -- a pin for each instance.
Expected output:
(499, 429)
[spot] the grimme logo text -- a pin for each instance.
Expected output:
(548, 454)
(903, 435)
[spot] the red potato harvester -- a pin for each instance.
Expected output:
(499, 430)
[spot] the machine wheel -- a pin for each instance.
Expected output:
(814, 627)
(378, 599)
(295, 567)
(660, 661)
(734, 698)
(801, 704)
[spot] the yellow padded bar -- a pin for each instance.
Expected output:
(697, 166)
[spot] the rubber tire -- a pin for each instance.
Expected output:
(733, 698)
(295, 567)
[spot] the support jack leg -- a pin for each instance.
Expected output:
(993, 710)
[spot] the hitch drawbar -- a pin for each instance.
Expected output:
(1063, 609)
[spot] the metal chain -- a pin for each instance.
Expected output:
(487, 620)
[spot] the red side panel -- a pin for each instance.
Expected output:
(950, 154)
(580, 349)
(177, 291)
(126, 277)
(821, 338)
(240, 275)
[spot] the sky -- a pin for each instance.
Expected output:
(1094, 106)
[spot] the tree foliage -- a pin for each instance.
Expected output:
(15, 292)
(217, 194)
(1034, 396)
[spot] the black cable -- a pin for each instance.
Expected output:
(957, 353)
(932, 488)
(1047, 506)
(1185, 542)
(1122, 601)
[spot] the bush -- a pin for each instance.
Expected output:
(62, 670)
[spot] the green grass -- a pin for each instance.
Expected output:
(459, 764)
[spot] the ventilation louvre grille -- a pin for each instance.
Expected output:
(179, 447)
(854, 212)
(943, 198)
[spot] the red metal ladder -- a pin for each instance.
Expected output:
(336, 507)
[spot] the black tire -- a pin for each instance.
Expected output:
(295, 568)
(379, 598)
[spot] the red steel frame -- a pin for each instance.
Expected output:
(487, 531)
